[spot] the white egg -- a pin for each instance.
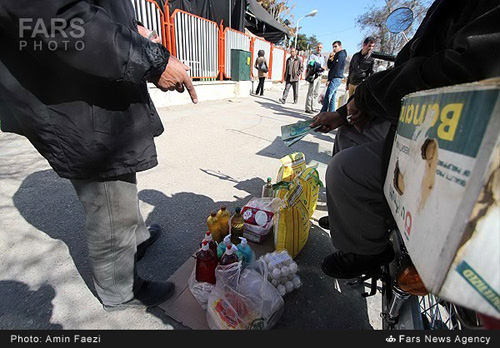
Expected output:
(288, 262)
(275, 282)
(296, 282)
(291, 276)
(270, 267)
(285, 271)
(267, 258)
(293, 267)
(289, 286)
(281, 290)
(276, 273)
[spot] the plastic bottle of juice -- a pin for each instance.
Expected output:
(221, 248)
(237, 224)
(213, 227)
(211, 244)
(205, 264)
(267, 189)
(223, 216)
(229, 256)
(246, 251)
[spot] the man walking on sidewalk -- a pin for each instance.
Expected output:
(336, 64)
(316, 65)
(293, 70)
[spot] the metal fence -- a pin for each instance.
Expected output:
(278, 64)
(196, 44)
(234, 39)
(150, 15)
(204, 45)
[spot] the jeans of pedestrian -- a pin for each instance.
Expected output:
(114, 227)
(331, 91)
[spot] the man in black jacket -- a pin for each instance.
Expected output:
(361, 65)
(456, 43)
(73, 81)
(336, 64)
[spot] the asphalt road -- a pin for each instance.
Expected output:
(210, 154)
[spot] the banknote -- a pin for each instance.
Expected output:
(292, 133)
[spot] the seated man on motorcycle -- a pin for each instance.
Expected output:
(457, 42)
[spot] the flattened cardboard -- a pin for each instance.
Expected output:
(183, 307)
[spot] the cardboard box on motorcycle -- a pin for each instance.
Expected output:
(443, 187)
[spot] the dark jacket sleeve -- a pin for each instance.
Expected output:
(471, 53)
(351, 66)
(109, 50)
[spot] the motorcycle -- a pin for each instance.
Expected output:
(406, 304)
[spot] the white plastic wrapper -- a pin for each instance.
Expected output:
(282, 271)
(200, 290)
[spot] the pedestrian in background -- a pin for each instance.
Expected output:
(262, 69)
(293, 70)
(336, 64)
(361, 65)
(316, 65)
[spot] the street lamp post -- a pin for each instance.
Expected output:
(310, 14)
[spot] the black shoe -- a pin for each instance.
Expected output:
(343, 265)
(295, 102)
(155, 232)
(282, 101)
(324, 223)
(310, 112)
(149, 294)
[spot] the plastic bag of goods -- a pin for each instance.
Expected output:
(200, 290)
(243, 300)
(258, 216)
(282, 271)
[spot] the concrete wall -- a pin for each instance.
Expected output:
(212, 90)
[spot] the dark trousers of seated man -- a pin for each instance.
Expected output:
(357, 210)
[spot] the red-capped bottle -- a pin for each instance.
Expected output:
(229, 256)
(205, 264)
(211, 244)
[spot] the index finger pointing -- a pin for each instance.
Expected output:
(190, 88)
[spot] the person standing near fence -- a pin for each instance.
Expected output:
(315, 64)
(262, 69)
(336, 64)
(85, 107)
(293, 70)
(361, 65)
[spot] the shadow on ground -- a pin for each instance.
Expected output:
(26, 309)
(50, 204)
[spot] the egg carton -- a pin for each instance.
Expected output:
(282, 271)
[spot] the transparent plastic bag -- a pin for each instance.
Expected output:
(200, 290)
(243, 300)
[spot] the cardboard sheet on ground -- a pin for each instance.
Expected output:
(183, 307)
